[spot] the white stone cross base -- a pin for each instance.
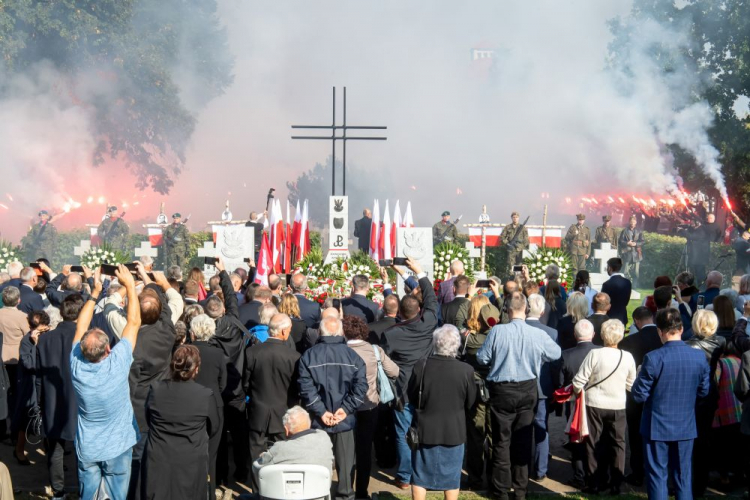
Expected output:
(474, 253)
(603, 254)
(83, 248)
(146, 249)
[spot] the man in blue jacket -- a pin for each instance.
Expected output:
(670, 380)
(333, 384)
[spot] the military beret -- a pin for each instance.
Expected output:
(445, 213)
(43, 212)
(606, 218)
(581, 216)
(176, 215)
(112, 209)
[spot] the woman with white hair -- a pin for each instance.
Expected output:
(212, 374)
(606, 375)
(442, 390)
(577, 307)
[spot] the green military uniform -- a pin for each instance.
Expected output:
(40, 240)
(176, 244)
(114, 232)
(578, 243)
(444, 231)
(606, 234)
(514, 252)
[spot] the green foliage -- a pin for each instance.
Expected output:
(447, 252)
(663, 254)
(134, 52)
(196, 242)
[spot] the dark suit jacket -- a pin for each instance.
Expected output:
(546, 379)
(30, 300)
(250, 313)
(362, 229)
(16, 282)
(270, 381)
(54, 384)
(566, 333)
(598, 320)
(571, 361)
(448, 393)
(445, 292)
(56, 296)
(668, 384)
(455, 312)
(376, 330)
(358, 305)
(213, 371)
(641, 343)
(309, 311)
(618, 289)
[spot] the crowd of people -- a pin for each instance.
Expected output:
(154, 379)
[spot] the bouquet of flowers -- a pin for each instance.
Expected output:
(96, 256)
(8, 254)
(542, 258)
(335, 279)
(447, 252)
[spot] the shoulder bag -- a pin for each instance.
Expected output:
(412, 435)
(386, 388)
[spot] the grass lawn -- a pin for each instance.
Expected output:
(635, 303)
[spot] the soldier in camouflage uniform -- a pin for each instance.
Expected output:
(40, 241)
(176, 242)
(514, 251)
(113, 231)
(444, 230)
(606, 233)
(578, 243)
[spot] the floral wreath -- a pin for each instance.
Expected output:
(545, 256)
(8, 254)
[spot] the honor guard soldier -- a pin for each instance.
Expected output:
(631, 250)
(41, 238)
(514, 240)
(444, 230)
(606, 233)
(578, 241)
(176, 242)
(113, 231)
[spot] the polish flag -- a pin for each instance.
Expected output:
(408, 219)
(278, 236)
(306, 229)
(385, 235)
(394, 226)
(375, 232)
(288, 243)
(155, 236)
(265, 265)
(295, 233)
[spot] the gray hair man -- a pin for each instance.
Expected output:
(446, 293)
(13, 325)
(515, 353)
(333, 384)
(358, 304)
(309, 311)
(303, 445)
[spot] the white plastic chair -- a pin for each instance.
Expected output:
(294, 482)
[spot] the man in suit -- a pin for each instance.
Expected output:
(269, 381)
(601, 306)
(713, 286)
(309, 311)
(445, 292)
(668, 384)
(570, 362)
(257, 226)
(55, 393)
(30, 300)
(630, 246)
(250, 311)
(456, 312)
(546, 388)
(638, 344)
(68, 285)
(362, 230)
(190, 292)
(358, 304)
(618, 287)
(408, 342)
(390, 310)
(14, 271)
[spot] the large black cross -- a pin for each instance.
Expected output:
(343, 137)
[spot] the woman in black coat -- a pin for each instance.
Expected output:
(442, 390)
(212, 375)
(577, 308)
(181, 415)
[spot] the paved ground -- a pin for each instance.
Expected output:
(34, 478)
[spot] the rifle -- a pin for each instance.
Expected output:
(269, 198)
(114, 224)
(441, 238)
(519, 230)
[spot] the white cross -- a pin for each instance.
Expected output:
(603, 254)
(474, 253)
(146, 249)
(83, 248)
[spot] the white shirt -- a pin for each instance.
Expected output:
(600, 363)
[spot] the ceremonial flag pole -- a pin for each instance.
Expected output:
(288, 243)
(305, 233)
(385, 251)
(295, 233)
(394, 227)
(375, 232)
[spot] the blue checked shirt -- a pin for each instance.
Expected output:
(516, 351)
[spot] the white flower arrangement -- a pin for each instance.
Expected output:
(539, 261)
(96, 256)
(8, 254)
(447, 252)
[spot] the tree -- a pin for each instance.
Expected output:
(122, 60)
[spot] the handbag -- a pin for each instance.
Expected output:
(412, 435)
(386, 389)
